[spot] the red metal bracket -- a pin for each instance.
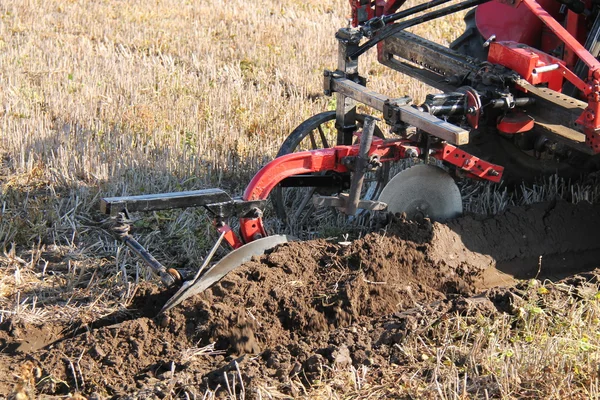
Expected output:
(474, 166)
(270, 175)
(526, 60)
(230, 236)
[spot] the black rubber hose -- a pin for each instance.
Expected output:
(413, 10)
(391, 29)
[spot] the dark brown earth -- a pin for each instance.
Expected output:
(287, 318)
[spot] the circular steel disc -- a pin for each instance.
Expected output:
(423, 191)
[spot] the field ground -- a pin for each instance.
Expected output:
(104, 98)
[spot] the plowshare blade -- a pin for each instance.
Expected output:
(423, 191)
(227, 264)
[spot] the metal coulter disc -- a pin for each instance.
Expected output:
(423, 191)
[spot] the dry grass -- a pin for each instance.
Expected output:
(103, 98)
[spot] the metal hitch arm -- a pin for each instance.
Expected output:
(168, 276)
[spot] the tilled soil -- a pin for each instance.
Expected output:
(283, 320)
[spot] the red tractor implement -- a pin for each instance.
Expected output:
(516, 96)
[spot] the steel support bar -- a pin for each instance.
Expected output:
(430, 56)
(168, 276)
(360, 166)
(163, 201)
(405, 113)
(345, 111)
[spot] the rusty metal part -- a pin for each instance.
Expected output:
(395, 113)
(341, 201)
(360, 166)
(429, 61)
(168, 276)
(556, 114)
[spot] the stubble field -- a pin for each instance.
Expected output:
(105, 98)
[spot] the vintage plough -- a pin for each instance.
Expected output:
(520, 89)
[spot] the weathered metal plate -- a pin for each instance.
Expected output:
(227, 264)
(423, 191)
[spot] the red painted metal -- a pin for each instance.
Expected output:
(361, 7)
(474, 166)
(590, 119)
(390, 6)
(252, 229)
(564, 35)
(515, 122)
(513, 24)
(524, 60)
(230, 236)
(576, 26)
(331, 159)
(280, 168)
(306, 162)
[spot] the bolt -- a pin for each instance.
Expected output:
(493, 172)
(467, 163)
(347, 161)
(411, 153)
(589, 115)
(374, 162)
(255, 212)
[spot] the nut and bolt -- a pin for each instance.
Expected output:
(255, 212)
(411, 153)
